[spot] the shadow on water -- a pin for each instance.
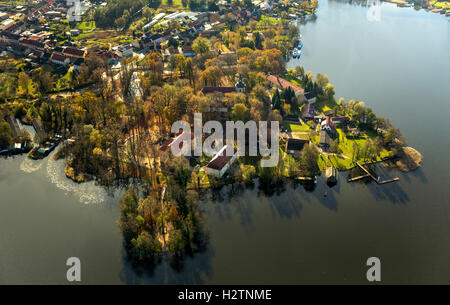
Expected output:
(192, 266)
(418, 173)
(239, 201)
(328, 201)
(392, 192)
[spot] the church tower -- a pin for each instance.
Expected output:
(240, 86)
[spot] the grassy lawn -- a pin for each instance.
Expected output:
(85, 26)
(296, 127)
(102, 38)
(286, 160)
(348, 145)
(322, 106)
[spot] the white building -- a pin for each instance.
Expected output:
(220, 163)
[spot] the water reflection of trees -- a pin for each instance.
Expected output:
(238, 202)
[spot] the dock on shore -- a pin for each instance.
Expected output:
(369, 174)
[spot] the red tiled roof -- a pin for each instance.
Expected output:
(284, 84)
(58, 57)
(329, 122)
(71, 51)
(31, 42)
(207, 90)
(220, 160)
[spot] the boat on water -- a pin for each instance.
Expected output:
(300, 45)
(331, 175)
(296, 54)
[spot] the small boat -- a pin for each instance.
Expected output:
(331, 175)
(295, 54)
(300, 45)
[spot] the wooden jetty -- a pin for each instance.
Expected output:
(369, 174)
(357, 178)
(389, 180)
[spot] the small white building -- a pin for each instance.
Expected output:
(59, 59)
(221, 162)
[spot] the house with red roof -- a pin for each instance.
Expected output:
(31, 43)
(59, 59)
(221, 162)
(328, 126)
(74, 52)
(282, 84)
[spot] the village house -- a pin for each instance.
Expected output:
(59, 59)
(221, 162)
(295, 146)
(31, 43)
(340, 120)
(309, 112)
(280, 83)
(187, 51)
(325, 140)
(74, 53)
(328, 126)
(151, 41)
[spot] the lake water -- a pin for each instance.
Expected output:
(399, 66)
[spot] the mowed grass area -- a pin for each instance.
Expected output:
(102, 38)
(296, 127)
(85, 26)
(348, 146)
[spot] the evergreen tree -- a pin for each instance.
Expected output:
(276, 101)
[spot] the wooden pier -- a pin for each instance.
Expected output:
(357, 178)
(369, 174)
(389, 180)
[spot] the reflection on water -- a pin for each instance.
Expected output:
(87, 192)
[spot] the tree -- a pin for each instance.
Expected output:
(257, 40)
(201, 45)
(389, 136)
(329, 91)
(321, 81)
(308, 161)
(276, 100)
(147, 12)
(211, 76)
(334, 147)
(24, 83)
(240, 112)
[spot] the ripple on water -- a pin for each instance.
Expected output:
(87, 193)
(29, 165)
